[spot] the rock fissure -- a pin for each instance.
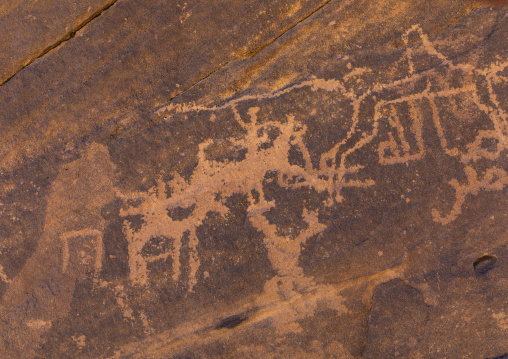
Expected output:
(64, 39)
(251, 54)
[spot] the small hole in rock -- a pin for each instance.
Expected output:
(232, 321)
(484, 264)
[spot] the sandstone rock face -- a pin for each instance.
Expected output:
(29, 30)
(273, 179)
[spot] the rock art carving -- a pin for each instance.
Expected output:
(386, 112)
(87, 249)
(212, 181)
(70, 248)
(389, 119)
(3, 276)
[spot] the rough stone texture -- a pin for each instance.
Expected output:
(30, 29)
(269, 179)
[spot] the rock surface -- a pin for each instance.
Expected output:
(269, 179)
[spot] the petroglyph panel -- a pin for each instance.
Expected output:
(290, 214)
(439, 111)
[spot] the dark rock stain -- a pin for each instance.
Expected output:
(232, 321)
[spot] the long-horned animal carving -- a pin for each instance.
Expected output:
(394, 141)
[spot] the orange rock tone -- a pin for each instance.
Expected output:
(268, 179)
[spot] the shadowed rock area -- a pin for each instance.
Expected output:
(268, 179)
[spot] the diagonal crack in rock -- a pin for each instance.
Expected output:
(64, 39)
(254, 53)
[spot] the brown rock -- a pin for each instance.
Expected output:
(321, 179)
(29, 30)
